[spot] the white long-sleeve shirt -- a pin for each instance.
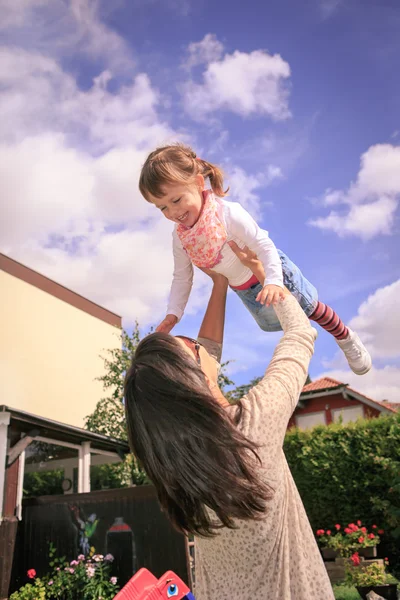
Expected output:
(240, 228)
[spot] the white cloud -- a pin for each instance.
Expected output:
(243, 83)
(243, 187)
(60, 28)
(367, 208)
(378, 321)
(379, 383)
(69, 164)
(328, 7)
(208, 50)
(378, 325)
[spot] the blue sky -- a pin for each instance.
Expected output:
(298, 101)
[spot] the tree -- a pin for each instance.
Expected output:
(108, 417)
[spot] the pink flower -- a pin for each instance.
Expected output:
(355, 559)
(113, 580)
(328, 532)
(371, 536)
(320, 531)
(73, 563)
(337, 526)
(57, 568)
(109, 557)
(51, 582)
(31, 573)
(72, 571)
(364, 529)
(380, 531)
(374, 526)
(90, 571)
(359, 523)
(347, 530)
(81, 557)
(360, 539)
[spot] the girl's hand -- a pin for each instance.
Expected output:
(249, 259)
(169, 322)
(271, 294)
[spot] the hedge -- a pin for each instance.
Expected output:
(350, 472)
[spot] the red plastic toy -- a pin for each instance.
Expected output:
(144, 586)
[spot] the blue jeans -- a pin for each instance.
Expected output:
(297, 284)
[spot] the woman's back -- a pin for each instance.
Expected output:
(275, 557)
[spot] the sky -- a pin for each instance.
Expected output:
(299, 102)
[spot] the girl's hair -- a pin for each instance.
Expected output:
(187, 443)
(176, 164)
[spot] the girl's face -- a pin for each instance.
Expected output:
(182, 203)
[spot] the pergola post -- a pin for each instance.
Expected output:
(4, 423)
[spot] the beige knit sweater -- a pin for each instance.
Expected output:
(276, 558)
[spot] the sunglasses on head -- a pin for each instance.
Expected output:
(194, 346)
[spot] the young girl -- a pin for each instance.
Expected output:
(173, 179)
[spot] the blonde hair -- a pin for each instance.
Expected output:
(176, 164)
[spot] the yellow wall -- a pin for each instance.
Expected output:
(49, 353)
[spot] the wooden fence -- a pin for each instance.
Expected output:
(127, 523)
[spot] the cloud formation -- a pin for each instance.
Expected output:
(367, 208)
(253, 83)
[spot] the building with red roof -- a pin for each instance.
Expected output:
(326, 400)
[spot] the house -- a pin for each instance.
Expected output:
(50, 346)
(326, 400)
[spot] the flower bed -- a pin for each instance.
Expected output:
(348, 540)
(86, 578)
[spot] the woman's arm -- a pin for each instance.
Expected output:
(212, 327)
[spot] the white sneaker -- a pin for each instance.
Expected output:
(357, 355)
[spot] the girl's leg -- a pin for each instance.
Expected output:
(354, 350)
(326, 317)
(356, 354)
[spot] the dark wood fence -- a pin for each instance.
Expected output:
(127, 523)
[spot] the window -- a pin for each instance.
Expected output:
(309, 420)
(348, 413)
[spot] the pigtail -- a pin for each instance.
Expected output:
(215, 176)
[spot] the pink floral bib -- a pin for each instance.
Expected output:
(204, 241)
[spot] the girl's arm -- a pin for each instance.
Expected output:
(180, 288)
(243, 227)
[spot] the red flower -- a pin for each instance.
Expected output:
(347, 530)
(337, 526)
(371, 536)
(328, 532)
(320, 532)
(374, 526)
(355, 559)
(380, 531)
(386, 560)
(364, 529)
(353, 527)
(31, 573)
(359, 523)
(360, 539)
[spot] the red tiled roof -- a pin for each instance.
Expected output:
(392, 405)
(325, 383)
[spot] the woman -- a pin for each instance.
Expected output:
(219, 470)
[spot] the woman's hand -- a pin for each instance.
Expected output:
(249, 259)
(167, 324)
(216, 277)
(270, 294)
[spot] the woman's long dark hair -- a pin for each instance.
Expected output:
(187, 443)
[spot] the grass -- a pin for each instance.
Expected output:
(344, 592)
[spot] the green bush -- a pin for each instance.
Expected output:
(344, 592)
(346, 472)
